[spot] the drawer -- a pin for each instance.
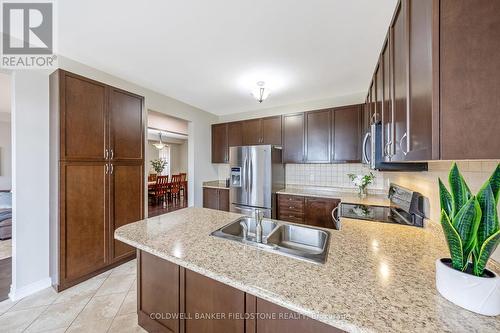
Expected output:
(290, 200)
(291, 206)
(291, 217)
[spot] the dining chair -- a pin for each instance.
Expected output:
(183, 184)
(174, 187)
(159, 191)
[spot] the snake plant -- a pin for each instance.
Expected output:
(470, 222)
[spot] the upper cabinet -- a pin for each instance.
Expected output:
(252, 132)
(469, 48)
(98, 122)
(271, 131)
(318, 133)
(84, 116)
(293, 138)
(126, 125)
(220, 153)
(346, 133)
(438, 67)
(262, 131)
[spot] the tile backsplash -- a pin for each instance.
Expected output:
(330, 175)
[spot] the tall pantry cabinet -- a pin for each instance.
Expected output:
(97, 175)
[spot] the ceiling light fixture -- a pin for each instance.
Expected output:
(261, 92)
(160, 145)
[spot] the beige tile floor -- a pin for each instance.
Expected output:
(105, 303)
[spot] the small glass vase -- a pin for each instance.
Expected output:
(362, 192)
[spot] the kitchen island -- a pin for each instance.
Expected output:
(377, 278)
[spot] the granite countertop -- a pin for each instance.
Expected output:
(345, 196)
(215, 184)
(378, 277)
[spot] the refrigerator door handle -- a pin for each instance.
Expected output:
(251, 175)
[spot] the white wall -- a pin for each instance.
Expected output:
(30, 183)
(178, 158)
(5, 155)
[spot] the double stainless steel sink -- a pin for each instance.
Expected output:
(302, 242)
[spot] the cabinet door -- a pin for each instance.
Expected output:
(346, 124)
(470, 80)
(276, 319)
(318, 136)
(210, 198)
(234, 134)
(420, 130)
(126, 125)
(400, 57)
(127, 202)
(252, 132)
(206, 296)
(387, 116)
(373, 101)
(378, 91)
(223, 199)
(158, 292)
(293, 138)
(220, 153)
(271, 131)
(83, 118)
(318, 212)
(84, 234)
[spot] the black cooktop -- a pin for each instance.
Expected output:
(406, 207)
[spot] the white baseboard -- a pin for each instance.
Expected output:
(30, 289)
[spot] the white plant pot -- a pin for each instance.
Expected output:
(474, 293)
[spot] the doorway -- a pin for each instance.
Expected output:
(5, 186)
(167, 163)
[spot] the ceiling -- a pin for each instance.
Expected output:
(210, 54)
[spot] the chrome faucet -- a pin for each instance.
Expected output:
(245, 229)
(259, 215)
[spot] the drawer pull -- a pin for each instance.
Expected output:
(291, 207)
(291, 216)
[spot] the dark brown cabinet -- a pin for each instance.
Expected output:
(206, 296)
(346, 125)
(220, 150)
(216, 198)
(174, 299)
(84, 241)
(318, 212)
(312, 211)
(271, 130)
(262, 131)
(293, 138)
(126, 125)
(158, 292)
(469, 65)
(318, 136)
(99, 182)
(127, 205)
(252, 132)
(433, 47)
(234, 134)
(84, 117)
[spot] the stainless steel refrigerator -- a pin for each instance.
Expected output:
(257, 173)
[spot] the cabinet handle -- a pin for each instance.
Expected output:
(107, 168)
(291, 207)
(106, 154)
(112, 153)
(401, 144)
(112, 169)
